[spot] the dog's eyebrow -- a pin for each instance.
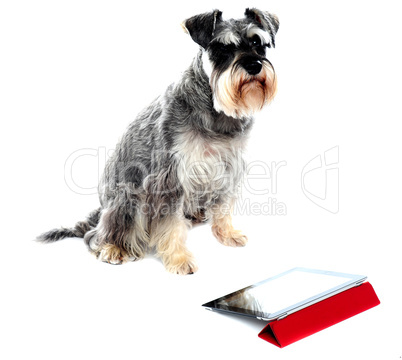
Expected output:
(255, 30)
(228, 37)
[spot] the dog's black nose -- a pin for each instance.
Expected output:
(253, 67)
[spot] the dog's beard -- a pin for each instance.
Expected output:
(239, 94)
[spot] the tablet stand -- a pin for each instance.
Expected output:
(320, 316)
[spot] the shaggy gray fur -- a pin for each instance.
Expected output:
(141, 185)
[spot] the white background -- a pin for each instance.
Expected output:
(73, 74)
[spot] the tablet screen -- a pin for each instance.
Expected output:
(290, 290)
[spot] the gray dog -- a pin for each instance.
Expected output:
(180, 161)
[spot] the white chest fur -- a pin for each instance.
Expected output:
(209, 169)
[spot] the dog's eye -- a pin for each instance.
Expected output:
(255, 41)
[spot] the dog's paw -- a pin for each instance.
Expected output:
(182, 264)
(233, 238)
(113, 254)
(237, 238)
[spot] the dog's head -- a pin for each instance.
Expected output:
(242, 79)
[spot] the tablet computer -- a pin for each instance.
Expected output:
(284, 294)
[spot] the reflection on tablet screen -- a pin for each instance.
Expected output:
(281, 292)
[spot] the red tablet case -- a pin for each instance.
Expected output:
(320, 316)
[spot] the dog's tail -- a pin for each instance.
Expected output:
(79, 230)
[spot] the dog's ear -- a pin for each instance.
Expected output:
(269, 22)
(202, 27)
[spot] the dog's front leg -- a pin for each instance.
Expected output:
(169, 235)
(222, 227)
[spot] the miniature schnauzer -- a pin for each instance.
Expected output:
(179, 161)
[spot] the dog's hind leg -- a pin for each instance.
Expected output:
(121, 234)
